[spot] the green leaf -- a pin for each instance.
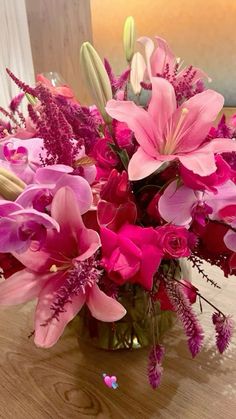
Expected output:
(124, 158)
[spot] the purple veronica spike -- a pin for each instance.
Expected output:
(224, 330)
(155, 369)
(184, 311)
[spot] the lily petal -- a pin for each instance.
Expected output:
(47, 332)
(21, 287)
(138, 120)
(142, 165)
(104, 308)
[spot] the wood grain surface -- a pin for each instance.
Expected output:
(57, 29)
(66, 381)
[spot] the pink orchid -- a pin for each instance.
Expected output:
(161, 60)
(48, 180)
(22, 156)
(62, 274)
(20, 228)
(132, 254)
(179, 205)
(166, 133)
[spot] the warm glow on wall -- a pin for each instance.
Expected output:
(202, 32)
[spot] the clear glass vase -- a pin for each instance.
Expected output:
(141, 326)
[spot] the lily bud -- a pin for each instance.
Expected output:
(129, 38)
(138, 68)
(8, 189)
(97, 79)
(12, 177)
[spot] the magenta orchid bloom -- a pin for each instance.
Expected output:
(179, 205)
(63, 275)
(166, 133)
(48, 180)
(161, 59)
(22, 156)
(20, 228)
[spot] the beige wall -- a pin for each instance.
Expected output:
(57, 29)
(202, 32)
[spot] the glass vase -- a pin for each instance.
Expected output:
(142, 325)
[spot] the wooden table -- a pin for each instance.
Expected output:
(66, 381)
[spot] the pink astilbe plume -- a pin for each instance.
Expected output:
(183, 309)
(117, 83)
(53, 127)
(155, 369)
(23, 86)
(224, 330)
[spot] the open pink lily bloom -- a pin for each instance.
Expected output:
(64, 265)
(161, 57)
(165, 132)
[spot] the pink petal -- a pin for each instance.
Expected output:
(102, 307)
(7, 207)
(66, 211)
(81, 189)
(138, 120)
(88, 243)
(162, 105)
(26, 198)
(151, 258)
(162, 56)
(219, 145)
(202, 164)
(203, 108)
(148, 45)
(48, 332)
(175, 205)
(230, 240)
(21, 287)
(142, 165)
(36, 216)
(52, 173)
(226, 195)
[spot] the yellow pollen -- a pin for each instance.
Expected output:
(185, 111)
(53, 268)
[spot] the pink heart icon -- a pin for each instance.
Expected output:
(110, 381)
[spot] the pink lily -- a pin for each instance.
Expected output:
(166, 133)
(62, 275)
(161, 58)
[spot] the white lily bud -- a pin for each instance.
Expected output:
(138, 68)
(9, 189)
(129, 38)
(97, 78)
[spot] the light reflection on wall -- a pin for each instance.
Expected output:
(202, 32)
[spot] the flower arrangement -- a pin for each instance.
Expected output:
(101, 201)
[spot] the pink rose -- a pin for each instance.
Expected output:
(132, 254)
(105, 158)
(175, 241)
